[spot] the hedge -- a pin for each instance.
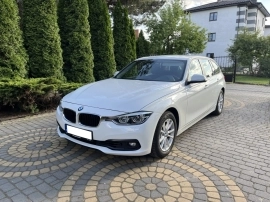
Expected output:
(32, 95)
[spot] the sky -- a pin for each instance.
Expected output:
(193, 3)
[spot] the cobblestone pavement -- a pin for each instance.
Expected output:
(224, 158)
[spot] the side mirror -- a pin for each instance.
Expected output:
(196, 78)
(115, 73)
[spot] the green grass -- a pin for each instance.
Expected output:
(252, 80)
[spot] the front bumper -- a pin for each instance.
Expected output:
(111, 138)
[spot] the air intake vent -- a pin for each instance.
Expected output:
(89, 120)
(70, 115)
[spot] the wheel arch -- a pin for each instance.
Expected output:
(223, 89)
(176, 115)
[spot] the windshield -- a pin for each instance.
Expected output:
(154, 70)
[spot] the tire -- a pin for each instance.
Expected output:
(220, 104)
(163, 141)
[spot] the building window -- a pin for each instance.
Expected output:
(213, 16)
(212, 37)
(210, 55)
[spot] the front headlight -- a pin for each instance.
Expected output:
(60, 106)
(135, 118)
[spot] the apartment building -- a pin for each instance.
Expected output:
(224, 19)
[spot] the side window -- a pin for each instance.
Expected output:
(210, 55)
(207, 69)
(194, 68)
(216, 68)
(212, 37)
(213, 16)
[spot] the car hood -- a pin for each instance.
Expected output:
(121, 94)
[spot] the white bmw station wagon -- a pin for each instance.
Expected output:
(143, 107)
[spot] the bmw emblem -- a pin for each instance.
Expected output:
(80, 108)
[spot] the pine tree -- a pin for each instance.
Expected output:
(102, 40)
(13, 57)
(132, 41)
(42, 40)
(142, 46)
(121, 34)
(75, 40)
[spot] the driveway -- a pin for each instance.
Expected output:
(224, 158)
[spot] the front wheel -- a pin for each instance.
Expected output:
(164, 135)
(220, 103)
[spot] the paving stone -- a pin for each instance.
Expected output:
(244, 182)
(7, 187)
(231, 150)
(29, 190)
(6, 200)
(22, 185)
(201, 196)
(36, 182)
(20, 197)
(260, 187)
(263, 194)
(11, 193)
(37, 197)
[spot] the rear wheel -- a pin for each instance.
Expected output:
(220, 103)
(164, 135)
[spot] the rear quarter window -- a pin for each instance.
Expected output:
(216, 68)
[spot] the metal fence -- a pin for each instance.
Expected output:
(228, 66)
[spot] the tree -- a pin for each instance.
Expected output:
(132, 41)
(245, 48)
(142, 46)
(75, 40)
(264, 59)
(252, 51)
(102, 40)
(13, 57)
(42, 40)
(172, 32)
(138, 9)
(121, 34)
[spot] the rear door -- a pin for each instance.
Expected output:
(218, 76)
(211, 82)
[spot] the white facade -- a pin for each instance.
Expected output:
(231, 19)
(223, 27)
(260, 26)
(267, 30)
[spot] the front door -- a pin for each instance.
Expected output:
(197, 95)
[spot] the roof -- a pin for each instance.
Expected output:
(223, 4)
(171, 57)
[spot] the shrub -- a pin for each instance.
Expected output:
(31, 95)
(75, 40)
(13, 57)
(42, 39)
(6, 72)
(101, 40)
(132, 41)
(122, 39)
(142, 46)
(264, 67)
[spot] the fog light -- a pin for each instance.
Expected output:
(133, 144)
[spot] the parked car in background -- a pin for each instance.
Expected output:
(143, 107)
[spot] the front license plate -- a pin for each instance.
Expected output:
(79, 132)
